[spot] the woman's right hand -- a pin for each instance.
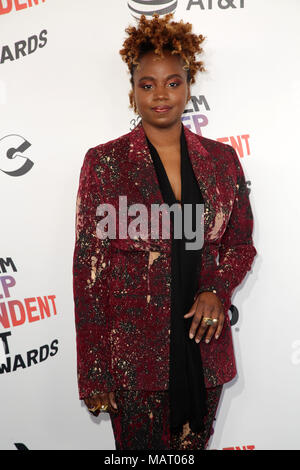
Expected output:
(105, 398)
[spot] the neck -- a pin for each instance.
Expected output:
(163, 137)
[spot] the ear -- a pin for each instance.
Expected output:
(189, 94)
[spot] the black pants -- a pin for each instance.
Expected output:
(142, 421)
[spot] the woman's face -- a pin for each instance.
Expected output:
(161, 83)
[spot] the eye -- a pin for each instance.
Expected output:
(174, 83)
(143, 86)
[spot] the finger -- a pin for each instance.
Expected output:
(216, 312)
(208, 312)
(92, 406)
(90, 402)
(97, 401)
(197, 312)
(201, 330)
(192, 310)
(87, 402)
(189, 314)
(195, 323)
(112, 399)
(103, 401)
(214, 328)
(108, 400)
(211, 330)
(220, 325)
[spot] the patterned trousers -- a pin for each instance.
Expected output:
(142, 421)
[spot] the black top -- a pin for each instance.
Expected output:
(186, 380)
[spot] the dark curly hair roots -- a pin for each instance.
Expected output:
(158, 34)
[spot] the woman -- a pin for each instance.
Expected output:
(154, 344)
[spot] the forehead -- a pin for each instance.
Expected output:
(153, 61)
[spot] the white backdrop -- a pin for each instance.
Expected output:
(64, 89)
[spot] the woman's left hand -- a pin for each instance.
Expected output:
(206, 305)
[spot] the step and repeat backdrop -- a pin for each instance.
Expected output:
(63, 90)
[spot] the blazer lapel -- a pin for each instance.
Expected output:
(146, 179)
(145, 175)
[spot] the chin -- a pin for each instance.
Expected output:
(161, 120)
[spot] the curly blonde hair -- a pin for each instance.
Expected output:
(156, 35)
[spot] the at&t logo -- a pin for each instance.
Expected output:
(148, 7)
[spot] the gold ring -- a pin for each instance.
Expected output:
(210, 321)
(93, 409)
(104, 407)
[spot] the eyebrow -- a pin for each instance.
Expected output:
(152, 78)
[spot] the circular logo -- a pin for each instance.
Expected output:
(148, 7)
(234, 315)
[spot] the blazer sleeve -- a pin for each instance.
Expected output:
(236, 250)
(90, 268)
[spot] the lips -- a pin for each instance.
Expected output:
(161, 109)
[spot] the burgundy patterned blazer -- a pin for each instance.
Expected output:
(121, 287)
